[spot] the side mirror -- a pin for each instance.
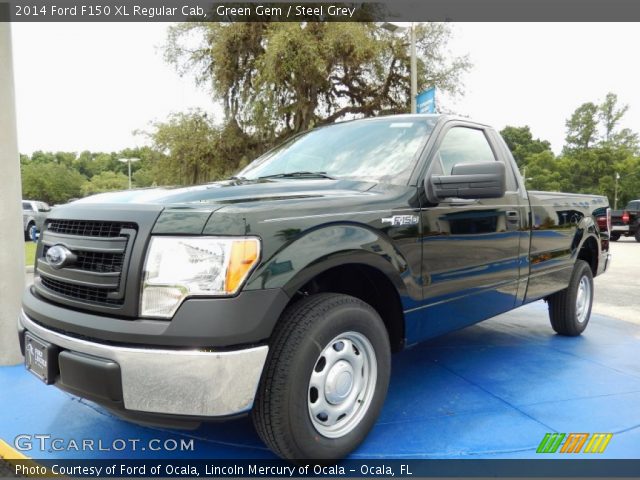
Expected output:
(469, 180)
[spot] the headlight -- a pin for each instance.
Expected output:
(180, 267)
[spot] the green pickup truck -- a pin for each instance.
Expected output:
(282, 292)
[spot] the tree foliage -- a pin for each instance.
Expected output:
(50, 182)
(278, 79)
(195, 150)
(104, 182)
(596, 149)
(582, 127)
(522, 144)
(58, 177)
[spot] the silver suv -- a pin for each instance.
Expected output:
(33, 215)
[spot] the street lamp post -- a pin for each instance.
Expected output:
(615, 195)
(128, 161)
(393, 28)
(414, 71)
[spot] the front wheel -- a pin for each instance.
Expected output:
(570, 309)
(325, 380)
(29, 231)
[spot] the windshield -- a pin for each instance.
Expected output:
(381, 150)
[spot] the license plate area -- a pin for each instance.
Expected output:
(41, 358)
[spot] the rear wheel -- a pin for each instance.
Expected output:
(614, 237)
(325, 380)
(570, 309)
(637, 235)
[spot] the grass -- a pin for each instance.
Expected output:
(29, 253)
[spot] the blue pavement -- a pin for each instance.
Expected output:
(489, 391)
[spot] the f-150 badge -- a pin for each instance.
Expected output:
(401, 220)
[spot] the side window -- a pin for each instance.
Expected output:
(27, 206)
(463, 145)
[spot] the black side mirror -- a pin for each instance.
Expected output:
(469, 180)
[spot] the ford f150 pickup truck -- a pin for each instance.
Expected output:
(626, 222)
(284, 290)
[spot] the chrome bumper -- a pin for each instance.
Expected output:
(178, 382)
(620, 228)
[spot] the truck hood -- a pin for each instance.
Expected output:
(187, 210)
(231, 192)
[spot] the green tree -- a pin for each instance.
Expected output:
(278, 79)
(50, 182)
(104, 182)
(629, 183)
(522, 144)
(188, 142)
(545, 172)
(610, 114)
(582, 127)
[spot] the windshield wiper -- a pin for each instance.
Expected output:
(299, 175)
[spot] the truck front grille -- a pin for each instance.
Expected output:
(87, 228)
(79, 292)
(95, 277)
(101, 262)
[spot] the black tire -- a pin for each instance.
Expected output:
(637, 235)
(27, 232)
(564, 313)
(281, 413)
(614, 237)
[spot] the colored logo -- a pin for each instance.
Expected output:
(574, 443)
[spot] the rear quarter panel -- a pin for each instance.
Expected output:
(560, 223)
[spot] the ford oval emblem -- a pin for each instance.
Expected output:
(58, 255)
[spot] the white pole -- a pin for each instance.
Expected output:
(414, 70)
(129, 173)
(615, 199)
(12, 240)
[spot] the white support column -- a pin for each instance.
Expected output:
(11, 237)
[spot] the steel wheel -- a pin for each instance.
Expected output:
(570, 309)
(342, 384)
(583, 299)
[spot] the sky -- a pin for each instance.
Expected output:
(89, 86)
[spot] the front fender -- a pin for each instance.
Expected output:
(329, 246)
(26, 221)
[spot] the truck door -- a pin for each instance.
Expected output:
(470, 247)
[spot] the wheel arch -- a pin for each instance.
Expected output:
(585, 245)
(343, 258)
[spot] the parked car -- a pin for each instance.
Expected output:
(283, 291)
(33, 216)
(626, 222)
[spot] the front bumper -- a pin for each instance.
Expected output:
(153, 380)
